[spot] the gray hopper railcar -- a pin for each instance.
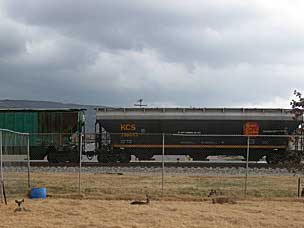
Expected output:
(196, 132)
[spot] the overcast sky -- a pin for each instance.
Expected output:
(219, 53)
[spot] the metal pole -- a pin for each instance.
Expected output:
(299, 187)
(28, 162)
(163, 163)
(1, 162)
(247, 160)
(1, 168)
(80, 155)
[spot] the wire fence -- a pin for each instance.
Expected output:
(14, 163)
(171, 166)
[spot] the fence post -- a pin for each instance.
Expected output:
(299, 187)
(163, 163)
(247, 160)
(1, 160)
(28, 161)
(1, 181)
(80, 155)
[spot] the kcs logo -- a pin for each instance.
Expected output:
(127, 127)
(251, 128)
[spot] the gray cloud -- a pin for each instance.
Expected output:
(214, 33)
(11, 41)
(223, 53)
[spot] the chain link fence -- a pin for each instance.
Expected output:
(191, 166)
(14, 163)
(171, 166)
(55, 162)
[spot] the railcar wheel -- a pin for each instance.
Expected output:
(199, 157)
(124, 157)
(103, 158)
(51, 159)
(273, 158)
(51, 155)
(144, 157)
(255, 158)
(295, 157)
(74, 159)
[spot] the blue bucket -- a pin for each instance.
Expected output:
(38, 193)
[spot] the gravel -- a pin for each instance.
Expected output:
(199, 171)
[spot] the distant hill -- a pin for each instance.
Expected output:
(90, 113)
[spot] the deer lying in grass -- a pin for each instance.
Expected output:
(139, 202)
(220, 199)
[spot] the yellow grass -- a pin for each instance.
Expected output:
(128, 185)
(271, 201)
(119, 214)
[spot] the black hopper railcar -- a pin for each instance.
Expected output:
(196, 132)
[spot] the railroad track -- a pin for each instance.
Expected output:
(158, 164)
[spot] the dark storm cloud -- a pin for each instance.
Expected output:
(213, 33)
(197, 53)
(180, 32)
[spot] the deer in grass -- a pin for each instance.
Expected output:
(20, 205)
(217, 198)
(214, 192)
(140, 202)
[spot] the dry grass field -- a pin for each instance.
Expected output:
(79, 213)
(129, 185)
(105, 201)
